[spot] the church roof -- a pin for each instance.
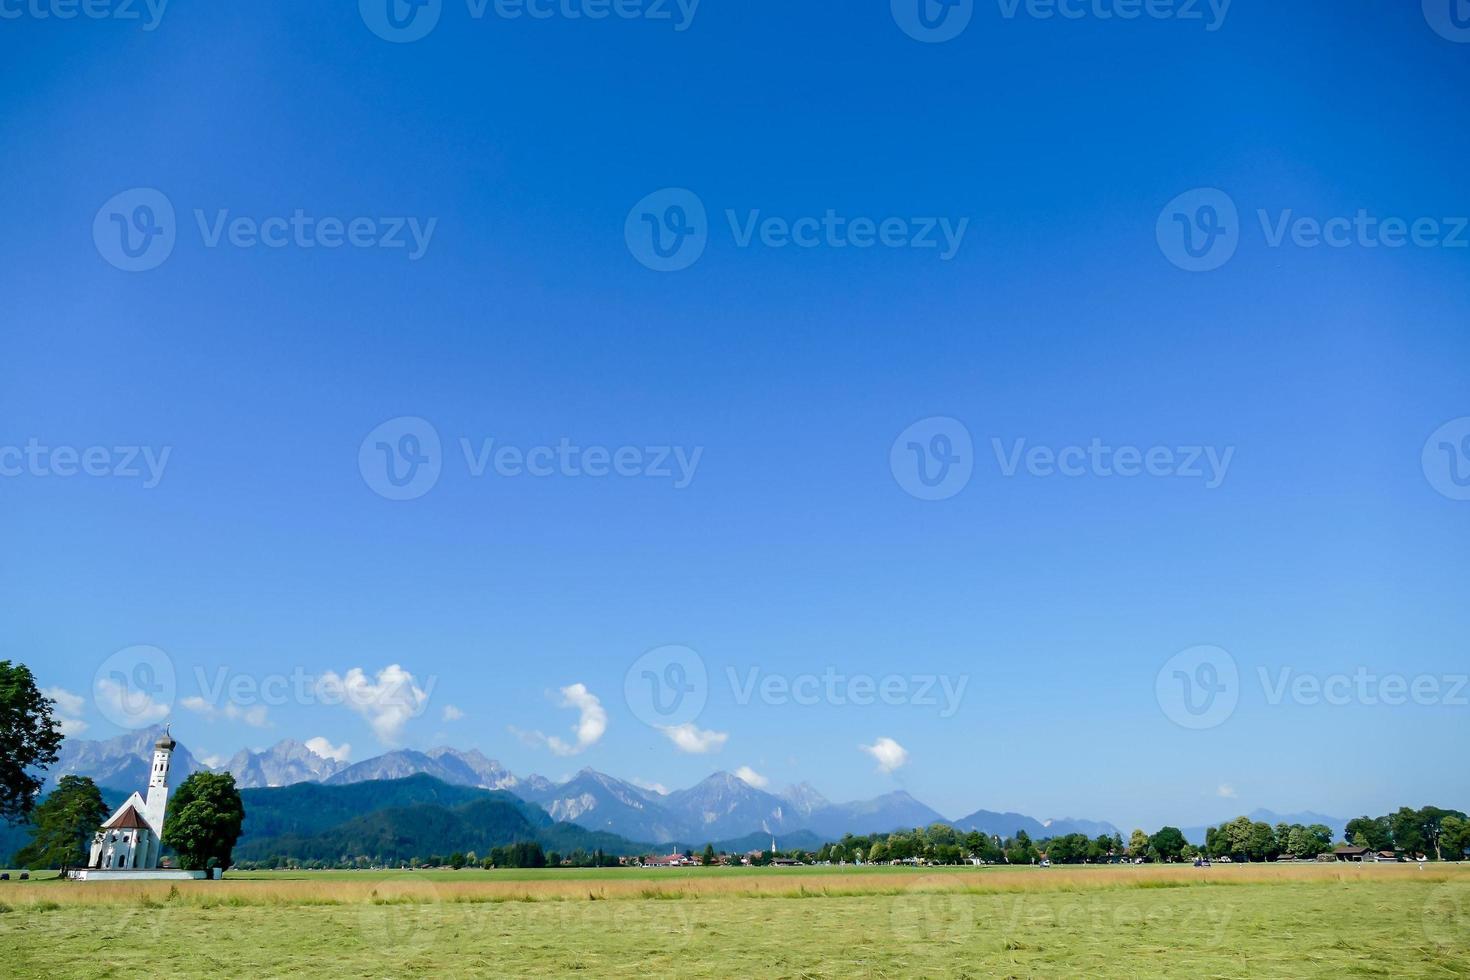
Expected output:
(128, 819)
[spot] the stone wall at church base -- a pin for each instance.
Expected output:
(141, 874)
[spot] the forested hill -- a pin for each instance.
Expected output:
(396, 820)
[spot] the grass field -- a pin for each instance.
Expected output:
(1226, 921)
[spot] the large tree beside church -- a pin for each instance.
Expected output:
(64, 824)
(203, 822)
(29, 740)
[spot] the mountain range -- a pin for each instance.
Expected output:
(720, 807)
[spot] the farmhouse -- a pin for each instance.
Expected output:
(129, 844)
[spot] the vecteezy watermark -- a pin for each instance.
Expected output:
(1200, 230)
(935, 908)
(402, 459)
(937, 21)
(1364, 687)
(34, 459)
(137, 231)
(1210, 13)
(1209, 464)
(1198, 688)
(391, 688)
(1450, 19)
(1446, 459)
(933, 21)
(135, 687)
(404, 21)
(934, 459)
(669, 230)
(667, 687)
(1201, 687)
(839, 689)
(149, 13)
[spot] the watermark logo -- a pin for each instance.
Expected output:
(933, 21)
(400, 21)
(1446, 459)
(135, 230)
(1211, 13)
(135, 687)
(931, 910)
(1450, 19)
(667, 687)
(401, 459)
(36, 459)
(149, 12)
(1363, 687)
(1208, 464)
(668, 230)
(1446, 916)
(401, 917)
(1198, 688)
(945, 692)
(933, 459)
(1199, 230)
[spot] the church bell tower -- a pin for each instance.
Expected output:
(157, 802)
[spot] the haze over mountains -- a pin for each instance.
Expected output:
(721, 807)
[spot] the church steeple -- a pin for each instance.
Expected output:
(163, 751)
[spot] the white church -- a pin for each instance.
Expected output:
(129, 844)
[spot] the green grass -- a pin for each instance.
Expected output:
(892, 923)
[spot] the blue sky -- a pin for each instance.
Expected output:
(1329, 544)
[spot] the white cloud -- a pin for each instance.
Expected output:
(887, 753)
(254, 716)
(1226, 790)
(451, 713)
(590, 726)
(210, 760)
(751, 777)
(325, 749)
(116, 701)
(389, 701)
(68, 710)
(693, 740)
(67, 703)
(658, 788)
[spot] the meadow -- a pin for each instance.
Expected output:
(1225, 921)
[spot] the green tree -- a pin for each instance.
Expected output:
(1169, 842)
(63, 824)
(203, 822)
(29, 740)
(1454, 837)
(1138, 844)
(1372, 832)
(1261, 844)
(708, 857)
(456, 860)
(1431, 821)
(1408, 831)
